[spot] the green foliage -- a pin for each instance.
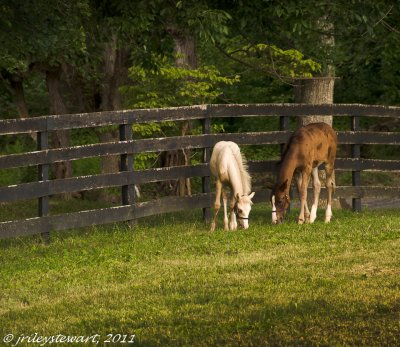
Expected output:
(145, 160)
(166, 85)
(247, 52)
(169, 85)
(196, 17)
(13, 145)
(272, 60)
(58, 34)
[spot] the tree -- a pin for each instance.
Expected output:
(41, 35)
(181, 25)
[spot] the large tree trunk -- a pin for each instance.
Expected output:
(185, 48)
(60, 138)
(115, 70)
(318, 90)
(115, 67)
(185, 57)
(314, 91)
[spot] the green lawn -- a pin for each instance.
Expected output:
(170, 282)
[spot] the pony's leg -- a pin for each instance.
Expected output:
(225, 200)
(330, 187)
(217, 204)
(299, 179)
(316, 192)
(303, 197)
(232, 221)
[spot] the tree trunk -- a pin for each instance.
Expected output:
(314, 91)
(115, 71)
(185, 48)
(19, 95)
(17, 89)
(113, 61)
(60, 138)
(318, 90)
(185, 57)
(114, 67)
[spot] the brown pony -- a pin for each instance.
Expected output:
(309, 147)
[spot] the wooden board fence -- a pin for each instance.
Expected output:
(127, 147)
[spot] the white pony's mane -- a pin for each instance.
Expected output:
(243, 168)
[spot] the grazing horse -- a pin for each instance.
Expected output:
(308, 148)
(229, 168)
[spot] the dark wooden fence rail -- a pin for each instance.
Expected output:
(127, 147)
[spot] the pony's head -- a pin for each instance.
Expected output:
(242, 209)
(280, 202)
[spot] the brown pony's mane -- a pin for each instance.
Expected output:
(294, 138)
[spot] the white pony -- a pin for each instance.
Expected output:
(229, 168)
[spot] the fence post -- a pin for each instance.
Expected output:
(284, 125)
(206, 128)
(356, 153)
(128, 191)
(43, 175)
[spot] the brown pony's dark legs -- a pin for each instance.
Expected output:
(330, 187)
(304, 212)
(316, 192)
(308, 146)
(298, 178)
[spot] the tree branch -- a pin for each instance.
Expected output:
(271, 72)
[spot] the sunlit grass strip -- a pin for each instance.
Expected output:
(171, 282)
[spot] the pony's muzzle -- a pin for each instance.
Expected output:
(277, 219)
(244, 224)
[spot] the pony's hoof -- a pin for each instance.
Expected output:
(233, 226)
(300, 221)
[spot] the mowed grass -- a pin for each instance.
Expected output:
(172, 283)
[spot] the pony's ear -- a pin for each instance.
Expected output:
(251, 195)
(283, 186)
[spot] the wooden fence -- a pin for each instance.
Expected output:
(127, 147)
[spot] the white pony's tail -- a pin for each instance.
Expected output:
(243, 167)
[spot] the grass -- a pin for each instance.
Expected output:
(172, 283)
